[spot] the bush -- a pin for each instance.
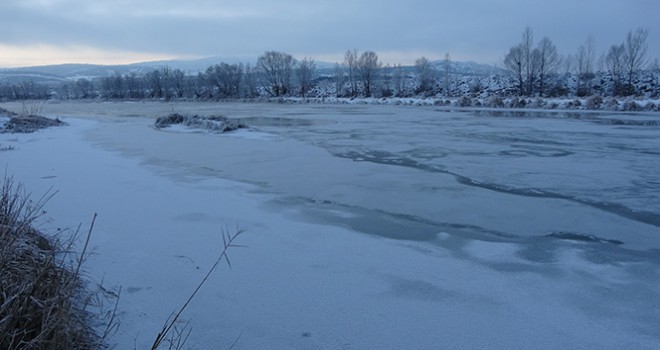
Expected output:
(464, 101)
(538, 103)
(631, 106)
(612, 104)
(495, 102)
(593, 102)
(517, 102)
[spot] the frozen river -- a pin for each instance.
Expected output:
(504, 229)
(409, 173)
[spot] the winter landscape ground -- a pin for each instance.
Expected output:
(366, 226)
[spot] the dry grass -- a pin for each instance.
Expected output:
(44, 301)
(174, 336)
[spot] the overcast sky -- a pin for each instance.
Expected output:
(34, 32)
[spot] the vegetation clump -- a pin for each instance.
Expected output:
(26, 123)
(218, 124)
(44, 302)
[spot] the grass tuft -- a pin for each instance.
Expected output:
(44, 301)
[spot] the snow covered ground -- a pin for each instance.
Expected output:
(368, 227)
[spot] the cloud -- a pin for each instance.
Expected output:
(475, 30)
(36, 55)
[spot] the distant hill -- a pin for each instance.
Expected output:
(54, 74)
(469, 68)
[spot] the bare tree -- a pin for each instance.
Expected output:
(178, 78)
(514, 61)
(112, 86)
(446, 67)
(530, 59)
(584, 66)
(398, 80)
(226, 79)
(351, 62)
(635, 54)
(386, 81)
(425, 75)
(84, 88)
(368, 66)
(655, 71)
(548, 61)
(250, 82)
(276, 69)
(306, 69)
(614, 60)
(167, 81)
(339, 78)
(154, 81)
(134, 85)
(523, 62)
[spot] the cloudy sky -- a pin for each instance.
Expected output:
(35, 32)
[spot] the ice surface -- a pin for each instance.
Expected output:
(368, 226)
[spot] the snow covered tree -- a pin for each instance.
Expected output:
(178, 82)
(339, 78)
(655, 72)
(530, 59)
(514, 61)
(386, 81)
(446, 68)
(584, 66)
(635, 55)
(305, 70)
(548, 61)
(276, 69)
(249, 85)
(368, 66)
(134, 85)
(523, 62)
(112, 86)
(225, 79)
(398, 80)
(614, 61)
(84, 88)
(351, 62)
(425, 75)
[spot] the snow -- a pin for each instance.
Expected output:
(389, 252)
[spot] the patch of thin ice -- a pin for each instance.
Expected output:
(251, 134)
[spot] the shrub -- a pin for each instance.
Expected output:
(538, 103)
(593, 102)
(631, 106)
(464, 101)
(495, 102)
(517, 102)
(612, 104)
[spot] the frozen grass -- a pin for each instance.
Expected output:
(44, 301)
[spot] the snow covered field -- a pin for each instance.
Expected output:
(368, 227)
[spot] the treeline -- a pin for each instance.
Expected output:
(533, 66)
(531, 70)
